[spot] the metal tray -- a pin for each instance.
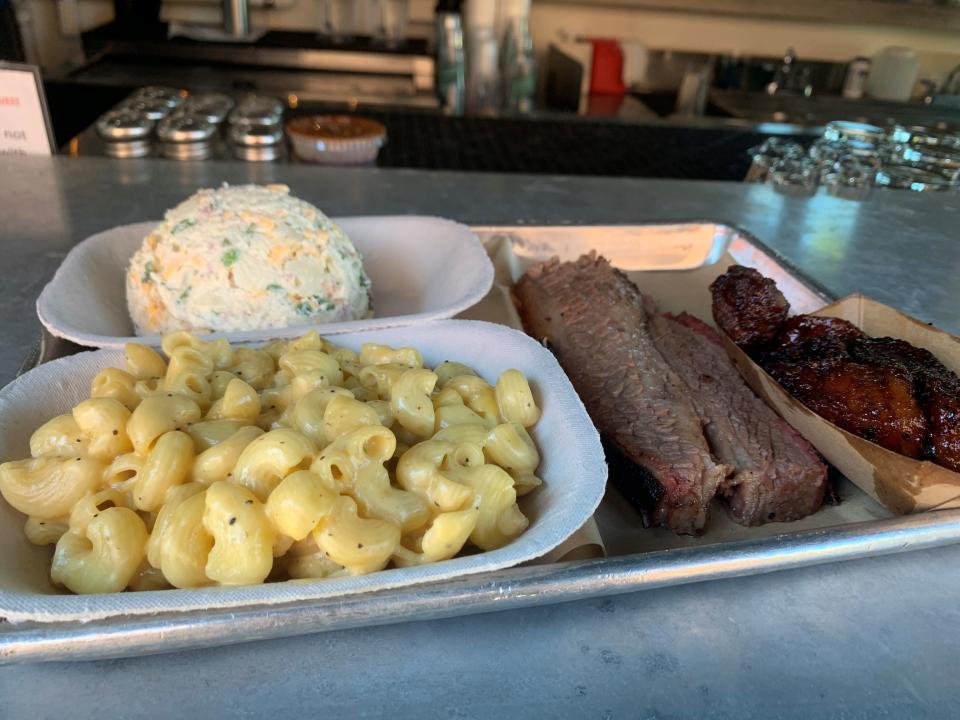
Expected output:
(665, 560)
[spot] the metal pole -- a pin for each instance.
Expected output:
(236, 17)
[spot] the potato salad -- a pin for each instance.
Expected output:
(245, 257)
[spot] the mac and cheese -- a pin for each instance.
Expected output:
(300, 459)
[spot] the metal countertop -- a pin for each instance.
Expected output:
(863, 639)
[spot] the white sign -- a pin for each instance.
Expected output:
(24, 123)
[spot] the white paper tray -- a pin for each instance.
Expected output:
(573, 471)
(420, 269)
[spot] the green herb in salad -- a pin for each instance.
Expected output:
(303, 308)
(148, 270)
(182, 225)
(323, 303)
(230, 257)
(184, 295)
(274, 287)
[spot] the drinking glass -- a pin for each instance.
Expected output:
(796, 177)
(907, 177)
(849, 177)
(337, 19)
(769, 152)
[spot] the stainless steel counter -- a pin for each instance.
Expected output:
(862, 639)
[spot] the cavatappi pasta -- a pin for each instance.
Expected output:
(300, 459)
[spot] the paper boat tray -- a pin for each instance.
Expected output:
(902, 484)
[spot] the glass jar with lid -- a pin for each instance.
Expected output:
(922, 136)
(171, 96)
(257, 110)
(769, 152)
(941, 160)
(256, 142)
(851, 157)
(907, 177)
(125, 133)
(155, 109)
(862, 134)
(213, 107)
(186, 137)
(797, 177)
(849, 177)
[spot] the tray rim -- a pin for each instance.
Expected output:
(729, 228)
(512, 588)
(509, 589)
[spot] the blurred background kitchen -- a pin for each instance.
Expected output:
(803, 94)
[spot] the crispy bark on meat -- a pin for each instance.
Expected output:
(594, 320)
(815, 336)
(876, 403)
(936, 387)
(748, 307)
(882, 389)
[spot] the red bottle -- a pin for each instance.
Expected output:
(606, 73)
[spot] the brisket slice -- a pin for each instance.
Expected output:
(779, 476)
(593, 319)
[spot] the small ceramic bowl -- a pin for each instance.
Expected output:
(336, 139)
